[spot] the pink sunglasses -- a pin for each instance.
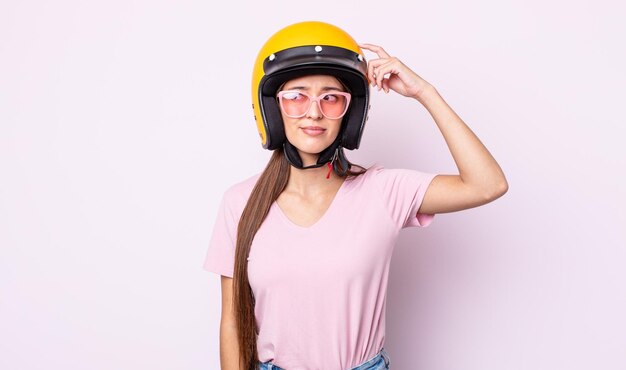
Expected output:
(296, 104)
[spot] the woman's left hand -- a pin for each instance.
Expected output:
(401, 78)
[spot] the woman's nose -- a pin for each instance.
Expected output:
(314, 111)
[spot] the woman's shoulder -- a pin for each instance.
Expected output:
(377, 175)
(368, 173)
(378, 170)
(359, 182)
(240, 191)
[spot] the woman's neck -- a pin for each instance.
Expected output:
(312, 180)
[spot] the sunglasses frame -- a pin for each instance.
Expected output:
(317, 99)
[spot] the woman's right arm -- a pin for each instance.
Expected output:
(229, 346)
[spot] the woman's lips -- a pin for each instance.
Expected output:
(313, 131)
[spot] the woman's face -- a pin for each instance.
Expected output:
(313, 132)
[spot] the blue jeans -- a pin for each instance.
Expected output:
(378, 362)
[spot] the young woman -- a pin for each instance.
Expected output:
(304, 247)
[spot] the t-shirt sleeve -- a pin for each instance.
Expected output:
(220, 256)
(402, 191)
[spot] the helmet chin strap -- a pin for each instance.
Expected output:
(333, 156)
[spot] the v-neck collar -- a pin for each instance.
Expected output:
(324, 216)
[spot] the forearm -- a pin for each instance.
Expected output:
(477, 167)
(229, 347)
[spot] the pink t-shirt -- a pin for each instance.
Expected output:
(321, 291)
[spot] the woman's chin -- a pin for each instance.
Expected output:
(311, 150)
(311, 147)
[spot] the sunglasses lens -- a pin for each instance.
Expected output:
(333, 105)
(296, 104)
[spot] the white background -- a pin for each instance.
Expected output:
(122, 122)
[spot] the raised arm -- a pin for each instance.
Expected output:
(480, 179)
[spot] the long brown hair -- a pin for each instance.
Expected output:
(270, 184)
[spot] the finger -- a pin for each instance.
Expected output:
(386, 85)
(382, 70)
(393, 66)
(377, 49)
(365, 45)
(372, 68)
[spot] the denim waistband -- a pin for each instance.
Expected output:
(380, 361)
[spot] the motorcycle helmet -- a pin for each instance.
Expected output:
(302, 49)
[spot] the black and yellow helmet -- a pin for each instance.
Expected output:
(307, 48)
